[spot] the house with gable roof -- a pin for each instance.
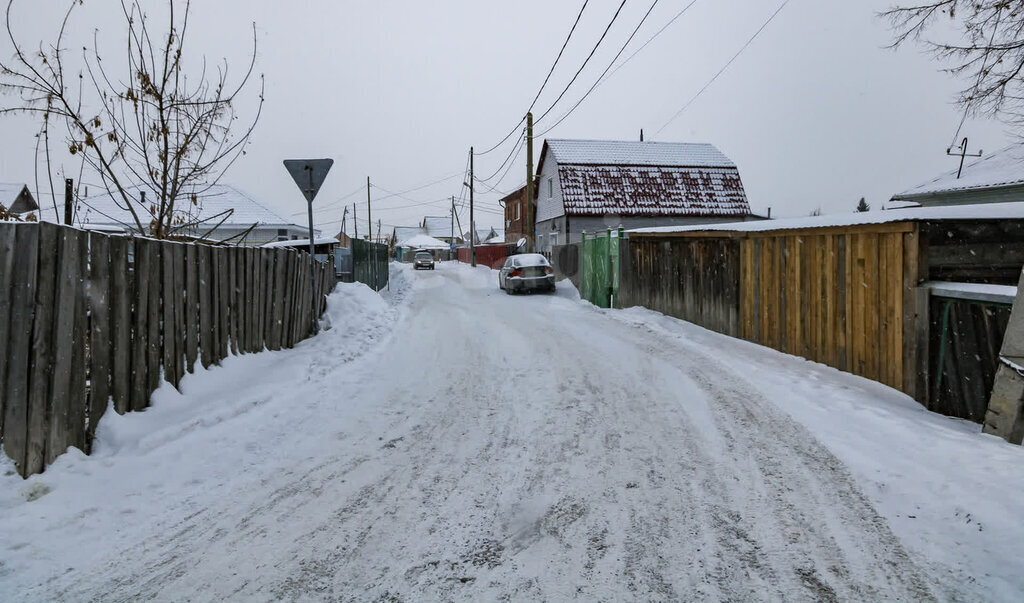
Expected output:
(592, 185)
(994, 178)
(16, 198)
(249, 222)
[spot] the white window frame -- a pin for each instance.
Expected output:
(551, 188)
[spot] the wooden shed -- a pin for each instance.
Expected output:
(856, 292)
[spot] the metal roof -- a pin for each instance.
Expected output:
(1002, 168)
(652, 191)
(104, 209)
(987, 211)
(438, 226)
(622, 152)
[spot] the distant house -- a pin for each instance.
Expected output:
(485, 235)
(994, 178)
(516, 216)
(248, 223)
(17, 198)
(441, 228)
(591, 185)
(401, 234)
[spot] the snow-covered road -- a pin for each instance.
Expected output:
(455, 443)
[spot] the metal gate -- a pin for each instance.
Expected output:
(370, 263)
(600, 266)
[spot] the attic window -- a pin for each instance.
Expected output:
(551, 187)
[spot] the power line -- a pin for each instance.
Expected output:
(722, 70)
(550, 71)
(649, 40)
(587, 60)
(598, 81)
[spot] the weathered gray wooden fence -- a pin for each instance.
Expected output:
(86, 319)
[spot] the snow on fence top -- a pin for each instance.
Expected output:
(985, 211)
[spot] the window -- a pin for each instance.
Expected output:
(518, 205)
(551, 187)
(554, 239)
(282, 234)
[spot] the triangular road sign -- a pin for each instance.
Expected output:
(309, 174)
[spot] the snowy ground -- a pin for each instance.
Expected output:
(445, 441)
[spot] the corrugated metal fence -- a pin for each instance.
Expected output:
(86, 319)
(370, 264)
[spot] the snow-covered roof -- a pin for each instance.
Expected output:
(1004, 294)
(304, 242)
(422, 241)
(635, 178)
(986, 211)
(652, 191)
(624, 152)
(1004, 167)
(11, 192)
(406, 232)
(104, 209)
(438, 226)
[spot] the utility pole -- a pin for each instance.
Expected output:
(344, 231)
(355, 220)
(369, 218)
(68, 199)
(451, 241)
(530, 227)
(472, 225)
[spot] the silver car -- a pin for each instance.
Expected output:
(526, 272)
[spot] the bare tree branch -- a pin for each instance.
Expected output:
(150, 131)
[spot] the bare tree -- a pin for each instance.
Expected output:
(984, 46)
(153, 129)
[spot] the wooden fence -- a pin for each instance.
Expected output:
(840, 296)
(88, 319)
(847, 296)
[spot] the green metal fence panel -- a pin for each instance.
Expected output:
(370, 263)
(599, 264)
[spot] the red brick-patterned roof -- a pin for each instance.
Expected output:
(646, 190)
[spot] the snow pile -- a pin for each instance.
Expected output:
(225, 420)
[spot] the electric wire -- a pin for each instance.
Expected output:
(722, 70)
(649, 40)
(543, 85)
(598, 80)
(587, 60)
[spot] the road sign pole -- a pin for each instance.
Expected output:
(308, 175)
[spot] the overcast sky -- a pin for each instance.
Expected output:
(815, 113)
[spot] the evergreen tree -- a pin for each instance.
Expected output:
(862, 205)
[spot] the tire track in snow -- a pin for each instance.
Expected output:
(536, 449)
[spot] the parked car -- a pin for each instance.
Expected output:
(526, 272)
(423, 259)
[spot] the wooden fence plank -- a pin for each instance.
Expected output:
(170, 301)
(79, 403)
(280, 270)
(910, 318)
(286, 299)
(191, 307)
(22, 300)
(232, 254)
(224, 302)
(155, 342)
(251, 298)
(205, 311)
(57, 438)
(7, 241)
(100, 333)
(217, 301)
(41, 363)
(142, 277)
(179, 309)
(121, 317)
